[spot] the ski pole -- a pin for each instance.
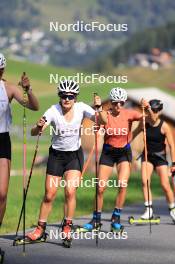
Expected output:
(96, 165)
(146, 160)
(24, 154)
(28, 183)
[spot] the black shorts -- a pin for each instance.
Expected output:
(5, 146)
(61, 161)
(156, 159)
(110, 155)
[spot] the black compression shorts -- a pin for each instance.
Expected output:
(61, 161)
(156, 159)
(110, 155)
(5, 146)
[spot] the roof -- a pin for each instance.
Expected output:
(149, 93)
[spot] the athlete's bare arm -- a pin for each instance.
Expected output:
(137, 130)
(15, 92)
(150, 115)
(40, 126)
(102, 115)
(169, 136)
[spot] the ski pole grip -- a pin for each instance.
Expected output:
(96, 106)
(45, 118)
(40, 128)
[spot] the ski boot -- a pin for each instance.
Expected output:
(116, 227)
(2, 253)
(148, 214)
(38, 235)
(172, 214)
(67, 233)
(94, 225)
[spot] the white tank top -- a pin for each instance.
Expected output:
(5, 110)
(66, 136)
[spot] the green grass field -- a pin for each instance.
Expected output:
(47, 96)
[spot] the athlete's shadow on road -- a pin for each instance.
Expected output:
(12, 237)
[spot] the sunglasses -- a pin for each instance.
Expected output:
(67, 96)
(116, 103)
(155, 110)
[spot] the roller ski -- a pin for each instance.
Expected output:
(2, 254)
(94, 225)
(147, 218)
(67, 230)
(37, 236)
(116, 226)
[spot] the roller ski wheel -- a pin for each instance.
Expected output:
(2, 254)
(67, 243)
(117, 228)
(153, 220)
(90, 227)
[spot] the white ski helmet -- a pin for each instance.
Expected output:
(118, 94)
(2, 61)
(68, 87)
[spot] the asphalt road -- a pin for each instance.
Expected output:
(140, 247)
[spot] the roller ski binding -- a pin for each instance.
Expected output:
(37, 236)
(116, 227)
(94, 225)
(146, 218)
(2, 254)
(67, 230)
(172, 214)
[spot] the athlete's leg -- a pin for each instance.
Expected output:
(124, 170)
(164, 180)
(162, 171)
(73, 179)
(4, 183)
(146, 175)
(103, 176)
(51, 185)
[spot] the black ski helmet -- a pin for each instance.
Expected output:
(156, 105)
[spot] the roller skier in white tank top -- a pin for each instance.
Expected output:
(8, 92)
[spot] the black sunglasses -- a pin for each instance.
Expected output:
(116, 103)
(155, 110)
(67, 96)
